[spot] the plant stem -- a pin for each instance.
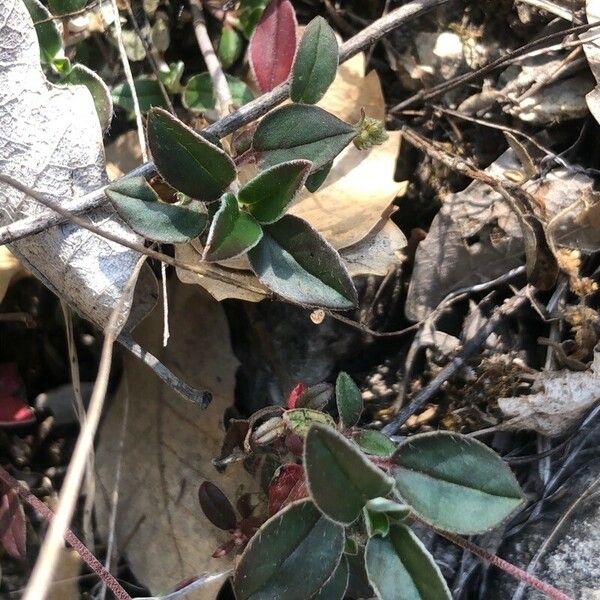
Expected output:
(90, 560)
(244, 115)
(504, 565)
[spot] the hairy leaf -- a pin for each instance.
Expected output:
(340, 478)
(47, 32)
(189, 162)
(273, 45)
(81, 75)
(455, 483)
(335, 588)
(148, 95)
(216, 506)
(400, 568)
(317, 179)
(232, 231)
(291, 557)
(393, 509)
(316, 62)
(270, 193)
(316, 397)
(294, 261)
(349, 400)
(139, 206)
(286, 486)
(230, 46)
(299, 420)
(199, 93)
(62, 7)
(299, 131)
(375, 443)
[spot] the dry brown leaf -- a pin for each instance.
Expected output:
(169, 446)
(562, 398)
(65, 581)
(476, 237)
(10, 270)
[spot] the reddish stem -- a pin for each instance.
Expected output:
(90, 560)
(507, 567)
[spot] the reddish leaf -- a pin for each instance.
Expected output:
(294, 443)
(14, 410)
(287, 485)
(12, 524)
(273, 45)
(294, 395)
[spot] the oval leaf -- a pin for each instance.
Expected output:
(48, 35)
(348, 398)
(270, 193)
(294, 261)
(232, 231)
(230, 46)
(400, 568)
(81, 75)
(316, 397)
(186, 160)
(139, 206)
(455, 483)
(340, 479)
(199, 92)
(316, 62)
(299, 420)
(299, 131)
(148, 94)
(335, 588)
(273, 45)
(291, 557)
(375, 443)
(216, 506)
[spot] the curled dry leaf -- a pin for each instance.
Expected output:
(352, 207)
(169, 446)
(476, 237)
(52, 142)
(561, 400)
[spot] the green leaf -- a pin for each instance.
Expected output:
(316, 397)
(48, 35)
(455, 483)
(232, 231)
(400, 568)
(249, 14)
(291, 556)
(81, 75)
(339, 477)
(198, 94)
(317, 179)
(140, 207)
(148, 94)
(335, 588)
(294, 261)
(376, 523)
(315, 64)
(393, 510)
(299, 131)
(375, 443)
(299, 420)
(230, 46)
(186, 160)
(349, 400)
(63, 7)
(270, 193)
(171, 74)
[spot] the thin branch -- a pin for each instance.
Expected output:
(244, 115)
(129, 76)
(41, 576)
(90, 560)
(222, 92)
(505, 566)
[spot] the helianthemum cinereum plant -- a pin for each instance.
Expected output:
(341, 500)
(293, 146)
